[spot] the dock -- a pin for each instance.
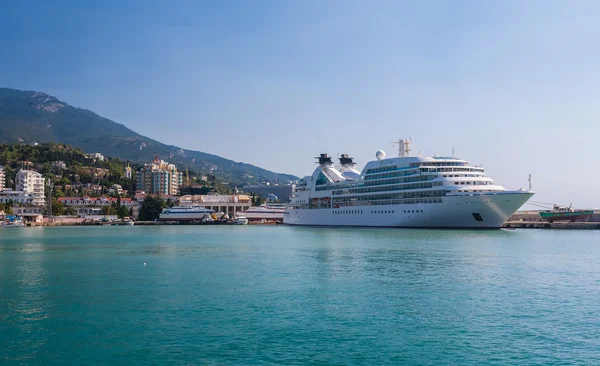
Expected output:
(551, 225)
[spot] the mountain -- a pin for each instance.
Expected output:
(30, 116)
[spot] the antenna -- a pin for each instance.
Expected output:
(530, 186)
(452, 150)
(403, 146)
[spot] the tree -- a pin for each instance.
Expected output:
(70, 211)
(107, 210)
(8, 208)
(257, 200)
(122, 212)
(151, 208)
(58, 208)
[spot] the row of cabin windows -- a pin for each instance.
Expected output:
(351, 212)
(381, 202)
(473, 183)
(439, 164)
(397, 195)
(442, 170)
(382, 169)
(393, 174)
(328, 187)
(465, 175)
(406, 201)
(416, 178)
(387, 188)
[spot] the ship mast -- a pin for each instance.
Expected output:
(403, 146)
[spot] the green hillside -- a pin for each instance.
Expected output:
(29, 116)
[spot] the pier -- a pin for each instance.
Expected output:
(551, 225)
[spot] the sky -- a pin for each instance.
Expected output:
(512, 85)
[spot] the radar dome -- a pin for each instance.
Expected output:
(380, 155)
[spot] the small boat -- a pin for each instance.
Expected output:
(562, 213)
(12, 222)
(239, 220)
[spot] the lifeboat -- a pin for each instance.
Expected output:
(325, 199)
(314, 200)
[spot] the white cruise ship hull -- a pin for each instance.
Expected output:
(481, 211)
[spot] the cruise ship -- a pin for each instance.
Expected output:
(404, 191)
(185, 213)
(265, 212)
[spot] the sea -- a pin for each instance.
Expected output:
(254, 295)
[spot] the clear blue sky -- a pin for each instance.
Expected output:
(513, 85)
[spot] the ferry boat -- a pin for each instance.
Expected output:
(562, 213)
(266, 212)
(404, 191)
(185, 213)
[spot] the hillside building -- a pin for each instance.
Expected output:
(159, 177)
(29, 181)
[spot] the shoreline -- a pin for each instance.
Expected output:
(583, 225)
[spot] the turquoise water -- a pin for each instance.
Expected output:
(259, 295)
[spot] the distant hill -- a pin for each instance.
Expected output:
(29, 116)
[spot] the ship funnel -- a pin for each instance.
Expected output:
(346, 160)
(324, 159)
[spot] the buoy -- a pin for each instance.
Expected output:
(144, 263)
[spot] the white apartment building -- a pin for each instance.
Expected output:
(29, 181)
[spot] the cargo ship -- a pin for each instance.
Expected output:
(562, 213)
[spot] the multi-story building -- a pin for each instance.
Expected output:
(115, 189)
(2, 178)
(159, 177)
(29, 181)
(18, 198)
(59, 165)
(92, 206)
(96, 156)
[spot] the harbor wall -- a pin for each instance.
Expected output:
(534, 216)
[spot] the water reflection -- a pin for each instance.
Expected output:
(26, 302)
